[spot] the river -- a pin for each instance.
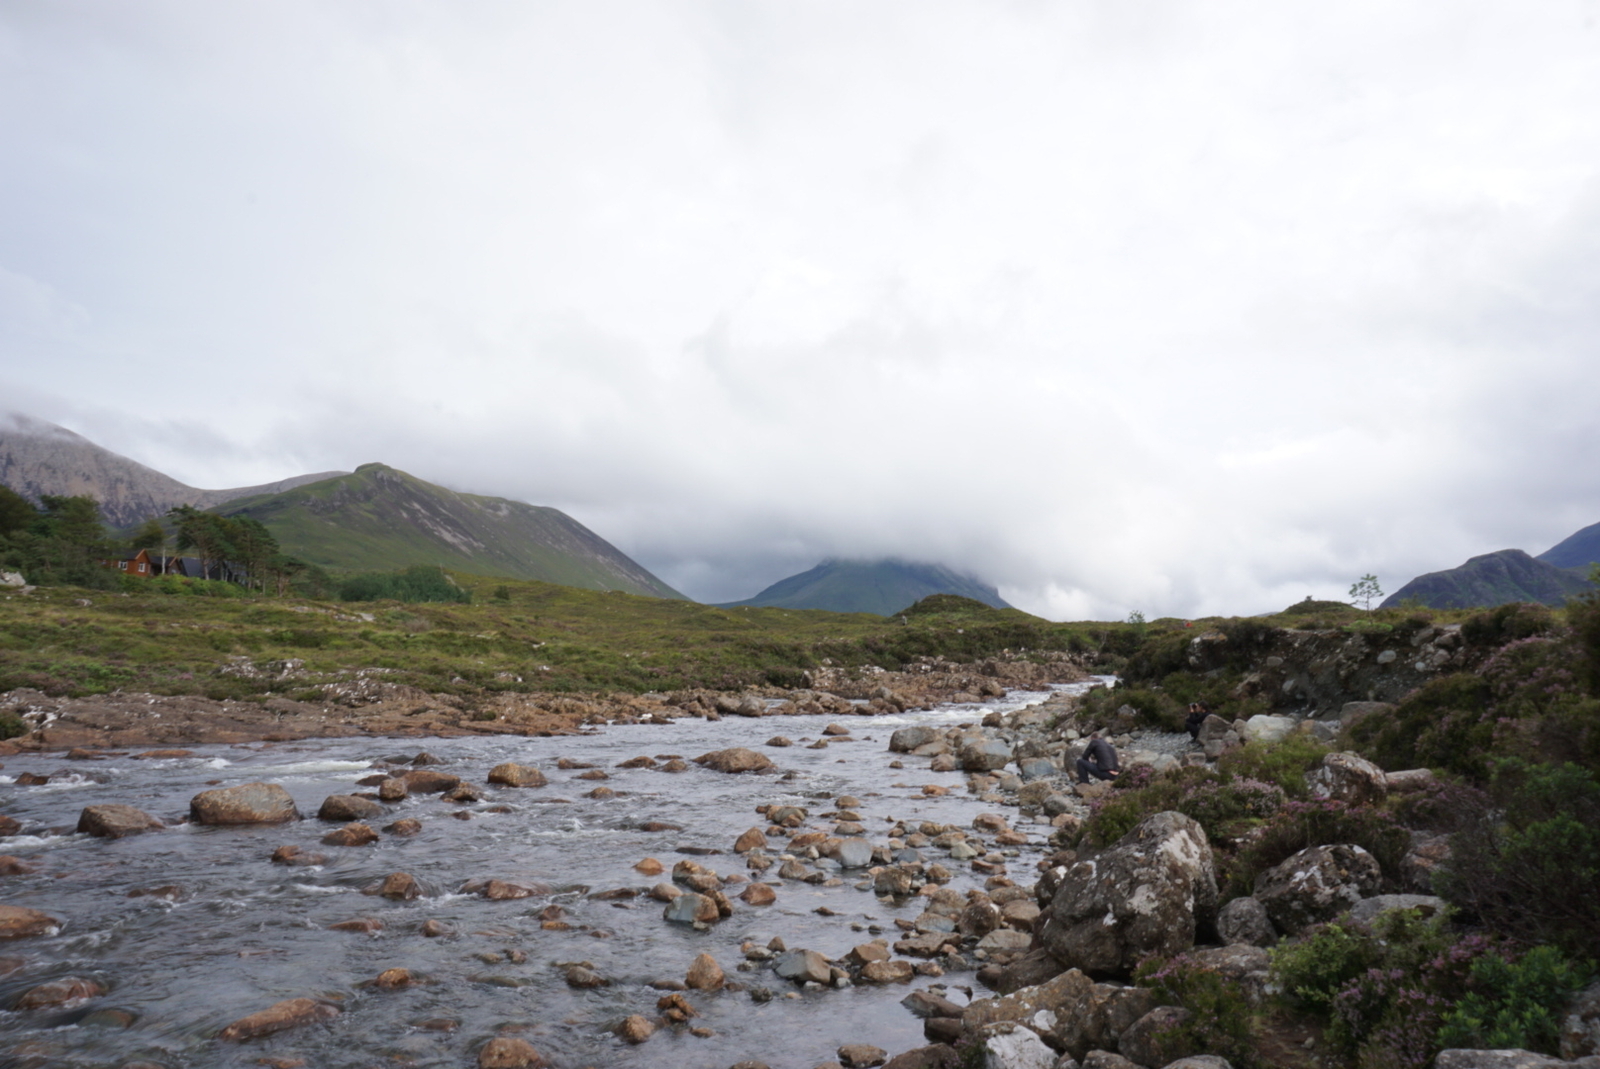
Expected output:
(230, 933)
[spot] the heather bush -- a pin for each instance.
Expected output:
(1515, 1003)
(1507, 623)
(1298, 825)
(1284, 764)
(1225, 806)
(1220, 1014)
(1529, 864)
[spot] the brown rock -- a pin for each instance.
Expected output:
(390, 979)
(860, 1055)
(427, 781)
(434, 929)
(705, 974)
(1156, 1039)
(249, 803)
(290, 854)
(9, 825)
(511, 774)
(758, 894)
(868, 952)
(404, 826)
(753, 839)
(642, 761)
(393, 790)
(343, 808)
(115, 821)
(401, 886)
(351, 835)
(593, 774)
(650, 867)
(59, 993)
(19, 922)
(502, 891)
(14, 866)
(936, 1056)
(367, 925)
(887, 972)
(735, 759)
(1082, 1015)
(636, 1028)
(509, 1052)
(585, 978)
(290, 1013)
(675, 1007)
(150, 755)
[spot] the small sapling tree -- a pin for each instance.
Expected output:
(1365, 591)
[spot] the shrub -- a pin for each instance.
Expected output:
(1529, 867)
(1220, 1017)
(1284, 764)
(502, 593)
(420, 583)
(12, 726)
(1515, 1003)
(1507, 623)
(1325, 823)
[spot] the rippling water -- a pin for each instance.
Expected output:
(243, 933)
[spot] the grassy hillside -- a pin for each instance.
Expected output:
(378, 518)
(1493, 579)
(538, 636)
(884, 587)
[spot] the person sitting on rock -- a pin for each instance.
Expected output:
(1099, 760)
(1198, 711)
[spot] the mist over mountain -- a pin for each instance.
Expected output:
(38, 457)
(884, 587)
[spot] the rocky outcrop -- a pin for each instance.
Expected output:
(1070, 1012)
(1316, 885)
(1149, 893)
(249, 803)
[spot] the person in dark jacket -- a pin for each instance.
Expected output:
(1099, 760)
(1198, 711)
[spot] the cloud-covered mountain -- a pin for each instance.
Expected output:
(38, 457)
(884, 587)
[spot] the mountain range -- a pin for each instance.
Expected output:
(1495, 579)
(884, 587)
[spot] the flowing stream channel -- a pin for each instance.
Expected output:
(191, 927)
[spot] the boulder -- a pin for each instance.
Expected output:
(1580, 1029)
(393, 790)
(926, 1004)
(1146, 894)
(1426, 854)
(635, 1029)
(904, 740)
(1317, 884)
(248, 803)
(933, 1056)
(290, 1013)
(511, 774)
(61, 992)
(734, 759)
(1149, 1040)
(352, 834)
(1265, 728)
(1072, 1012)
(1245, 920)
(115, 821)
(343, 808)
(691, 908)
(752, 839)
(1348, 777)
(1245, 965)
(1213, 729)
(802, 966)
(1037, 768)
(427, 781)
(400, 886)
(705, 974)
(758, 894)
(893, 971)
(983, 754)
(854, 853)
(509, 1052)
(861, 1055)
(20, 922)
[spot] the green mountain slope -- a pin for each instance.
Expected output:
(1576, 551)
(378, 518)
(884, 587)
(1493, 579)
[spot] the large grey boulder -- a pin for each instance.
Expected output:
(1247, 966)
(1148, 893)
(1070, 1012)
(1266, 728)
(983, 754)
(1245, 920)
(248, 803)
(904, 740)
(1150, 1040)
(854, 853)
(1348, 777)
(1317, 884)
(1011, 1046)
(1580, 1029)
(802, 966)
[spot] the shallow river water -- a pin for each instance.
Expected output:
(242, 933)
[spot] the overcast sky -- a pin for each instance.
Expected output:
(1179, 307)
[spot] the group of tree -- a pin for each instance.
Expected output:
(63, 541)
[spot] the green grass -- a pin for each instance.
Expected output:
(539, 636)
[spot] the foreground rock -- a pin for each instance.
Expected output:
(290, 1013)
(1146, 894)
(249, 803)
(1317, 884)
(735, 759)
(20, 922)
(115, 821)
(1071, 1012)
(509, 1052)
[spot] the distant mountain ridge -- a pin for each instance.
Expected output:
(1494, 579)
(380, 518)
(38, 457)
(884, 587)
(1575, 551)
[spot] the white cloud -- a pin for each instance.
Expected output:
(1177, 307)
